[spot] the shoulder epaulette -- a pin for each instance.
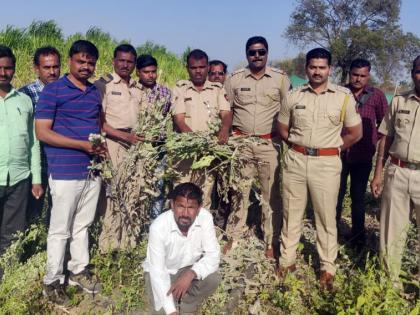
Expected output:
(295, 89)
(216, 84)
(237, 72)
(138, 85)
(404, 93)
(106, 78)
(342, 89)
(181, 83)
(278, 71)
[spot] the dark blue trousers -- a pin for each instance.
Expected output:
(359, 176)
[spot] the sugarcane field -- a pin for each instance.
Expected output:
(227, 175)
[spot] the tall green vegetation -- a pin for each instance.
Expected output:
(24, 42)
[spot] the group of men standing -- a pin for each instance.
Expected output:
(331, 132)
(60, 114)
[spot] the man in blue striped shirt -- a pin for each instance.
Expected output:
(68, 111)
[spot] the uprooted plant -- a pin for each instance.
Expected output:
(134, 185)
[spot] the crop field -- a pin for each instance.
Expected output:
(249, 285)
(25, 41)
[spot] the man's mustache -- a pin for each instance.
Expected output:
(185, 218)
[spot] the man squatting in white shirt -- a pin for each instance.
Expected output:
(183, 255)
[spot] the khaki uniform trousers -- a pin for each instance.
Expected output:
(114, 233)
(320, 176)
(198, 177)
(196, 294)
(268, 172)
(401, 186)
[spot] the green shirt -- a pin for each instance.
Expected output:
(19, 148)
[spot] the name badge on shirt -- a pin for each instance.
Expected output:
(115, 93)
(245, 89)
(187, 99)
(403, 111)
(300, 107)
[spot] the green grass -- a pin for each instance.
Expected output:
(24, 42)
(361, 286)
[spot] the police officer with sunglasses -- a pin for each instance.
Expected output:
(256, 94)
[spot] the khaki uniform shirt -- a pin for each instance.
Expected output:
(403, 123)
(314, 119)
(256, 103)
(120, 102)
(199, 107)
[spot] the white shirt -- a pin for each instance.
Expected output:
(168, 250)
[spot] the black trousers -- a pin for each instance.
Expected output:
(359, 176)
(35, 206)
(13, 203)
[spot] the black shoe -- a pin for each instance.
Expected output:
(85, 280)
(55, 293)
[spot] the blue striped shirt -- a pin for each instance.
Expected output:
(75, 114)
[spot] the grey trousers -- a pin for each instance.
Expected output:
(199, 290)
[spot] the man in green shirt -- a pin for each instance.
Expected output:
(19, 153)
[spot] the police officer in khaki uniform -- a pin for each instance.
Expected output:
(401, 126)
(195, 102)
(311, 121)
(256, 93)
(122, 99)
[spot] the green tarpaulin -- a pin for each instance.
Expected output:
(297, 81)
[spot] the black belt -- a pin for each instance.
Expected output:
(127, 130)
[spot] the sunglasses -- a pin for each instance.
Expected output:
(216, 73)
(254, 52)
